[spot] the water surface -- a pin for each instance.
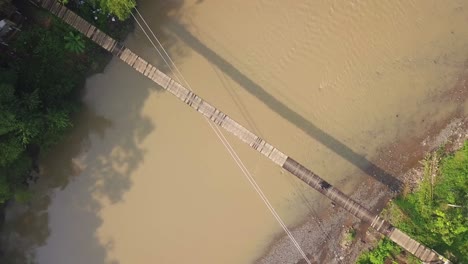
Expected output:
(143, 179)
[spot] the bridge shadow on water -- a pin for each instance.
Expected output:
(283, 110)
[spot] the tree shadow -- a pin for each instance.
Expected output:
(89, 167)
(156, 15)
(283, 110)
(89, 175)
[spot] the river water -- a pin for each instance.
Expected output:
(143, 179)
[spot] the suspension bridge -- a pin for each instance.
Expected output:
(222, 120)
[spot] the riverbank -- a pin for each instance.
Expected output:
(43, 69)
(332, 235)
(115, 152)
(431, 209)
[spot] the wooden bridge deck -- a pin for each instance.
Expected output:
(412, 246)
(230, 125)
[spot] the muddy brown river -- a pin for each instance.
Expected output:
(143, 179)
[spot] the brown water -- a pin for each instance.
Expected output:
(143, 179)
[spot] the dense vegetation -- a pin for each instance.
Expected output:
(384, 249)
(436, 214)
(120, 8)
(386, 252)
(41, 74)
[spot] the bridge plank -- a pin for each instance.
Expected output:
(257, 143)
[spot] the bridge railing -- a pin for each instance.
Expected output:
(223, 120)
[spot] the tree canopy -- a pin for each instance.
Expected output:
(39, 81)
(120, 8)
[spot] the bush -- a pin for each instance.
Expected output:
(437, 214)
(380, 253)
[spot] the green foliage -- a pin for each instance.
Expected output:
(350, 235)
(453, 185)
(437, 213)
(96, 13)
(11, 149)
(38, 94)
(410, 259)
(13, 177)
(5, 189)
(23, 196)
(10, 132)
(74, 43)
(429, 216)
(380, 253)
(121, 8)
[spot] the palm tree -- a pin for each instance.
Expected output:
(74, 43)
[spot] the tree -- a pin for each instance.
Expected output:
(10, 145)
(121, 8)
(13, 163)
(379, 254)
(74, 43)
(38, 94)
(430, 219)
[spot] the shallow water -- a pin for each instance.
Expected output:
(142, 179)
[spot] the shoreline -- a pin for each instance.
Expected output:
(338, 221)
(38, 17)
(323, 242)
(334, 217)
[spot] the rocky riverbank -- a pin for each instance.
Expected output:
(333, 235)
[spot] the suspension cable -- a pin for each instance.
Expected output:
(221, 137)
